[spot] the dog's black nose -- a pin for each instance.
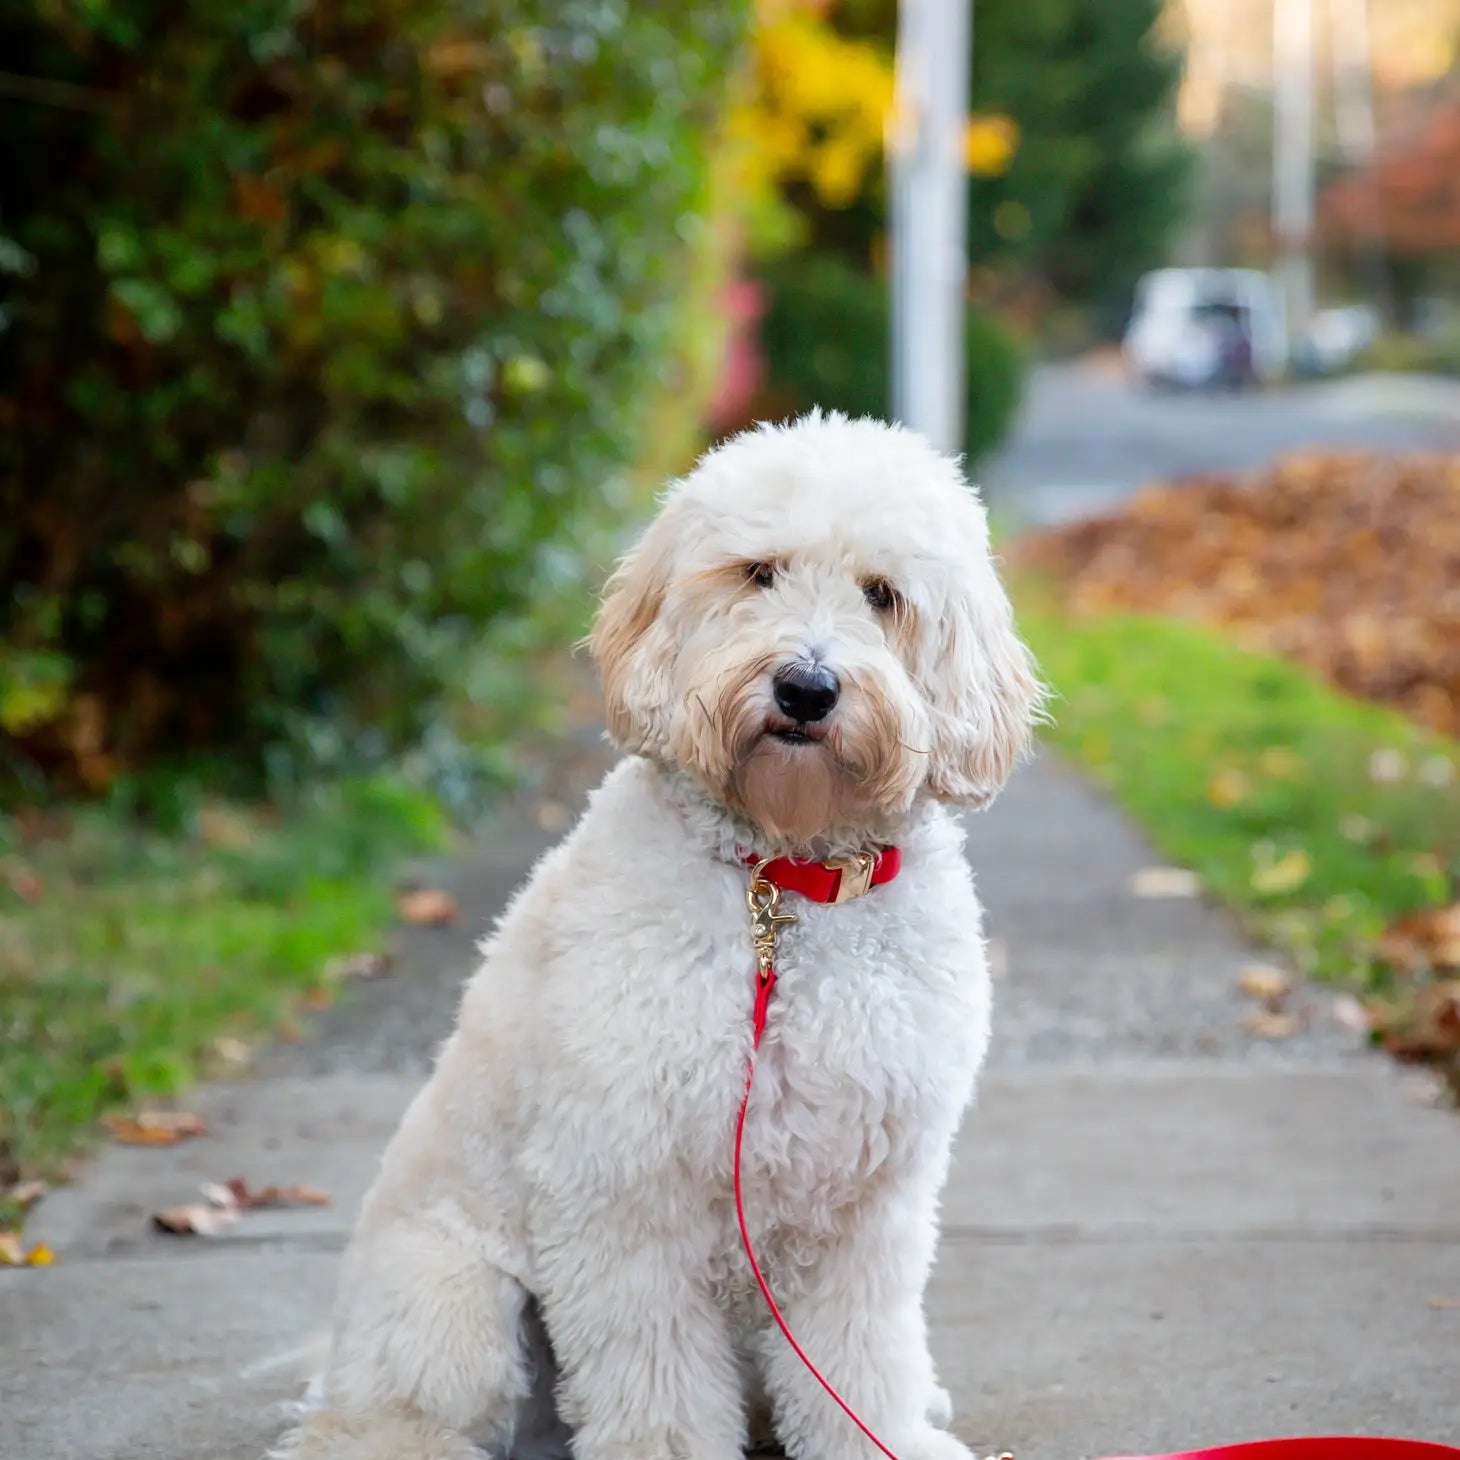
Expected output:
(806, 692)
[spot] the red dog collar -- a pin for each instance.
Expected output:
(839, 880)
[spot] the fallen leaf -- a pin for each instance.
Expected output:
(236, 1194)
(1387, 766)
(21, 881)
(318, 1000)
(1228, 788)
(12, 1254)
(1351, 1014)
(1437, 770)
(1165, 882)
(552, 815)
(1343, 562)
(362, 966)
(427, 907)
(1267, 1025)
(1356, 828)
(232, 1051)
(196, 1219)
(1270, 985)
(155, 1127)
(1286, 873)
(26, 1193)
(1435, 1300)
(1429, 938)
(1428, 1027)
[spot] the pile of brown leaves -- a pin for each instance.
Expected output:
(1347, 564)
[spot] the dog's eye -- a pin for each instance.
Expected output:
(761, 574)
(879, 593)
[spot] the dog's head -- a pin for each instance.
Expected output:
(813, 629)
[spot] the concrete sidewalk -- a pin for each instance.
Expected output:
(1159, 1231)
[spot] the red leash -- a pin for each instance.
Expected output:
(765, 917)
(765, 983)
(851, 878)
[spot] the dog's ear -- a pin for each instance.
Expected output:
(984, 692)
(633, 649)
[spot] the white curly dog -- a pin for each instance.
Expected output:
(808, 655)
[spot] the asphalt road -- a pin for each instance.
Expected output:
(1086, 438)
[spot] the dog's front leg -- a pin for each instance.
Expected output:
(648, 1365)
(858, 1313)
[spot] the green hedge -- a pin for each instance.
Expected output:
(321, 324)
(826, 338)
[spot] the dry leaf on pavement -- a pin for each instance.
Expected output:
(427, 907)
(236, 1194)
(362, 966)
(1266, 1025)
(25, 1193)
(1351, 1014)
(1271, 985)
(155, 1127)
(1165, 882)
(195, 1219)
(12, 1254)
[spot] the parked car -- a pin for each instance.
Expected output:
(1337, 337)
(1205, 328)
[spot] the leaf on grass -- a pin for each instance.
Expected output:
(1287, 873)
(427, 907)
(1387, 766)
(194, 1219)
(1266, 983)
(1429, 938)
(1165, 882)
(22, 882)
(1228, 788)
(155, 1127)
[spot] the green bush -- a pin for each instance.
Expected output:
(320, 326)
(826, 339)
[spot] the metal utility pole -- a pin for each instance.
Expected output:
(1292, 161)
(1358, 131)
(929, 217)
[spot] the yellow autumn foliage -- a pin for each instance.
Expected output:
(816, 108)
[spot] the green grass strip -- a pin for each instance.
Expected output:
(1318, 818)
(139, 949)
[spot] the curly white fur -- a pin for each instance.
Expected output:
(566, 1174)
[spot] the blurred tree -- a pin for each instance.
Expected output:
(319, 327)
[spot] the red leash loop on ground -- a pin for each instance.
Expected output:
(1334, 1448)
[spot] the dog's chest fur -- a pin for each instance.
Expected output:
(636, 1026)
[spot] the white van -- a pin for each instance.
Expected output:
(1205, 327)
